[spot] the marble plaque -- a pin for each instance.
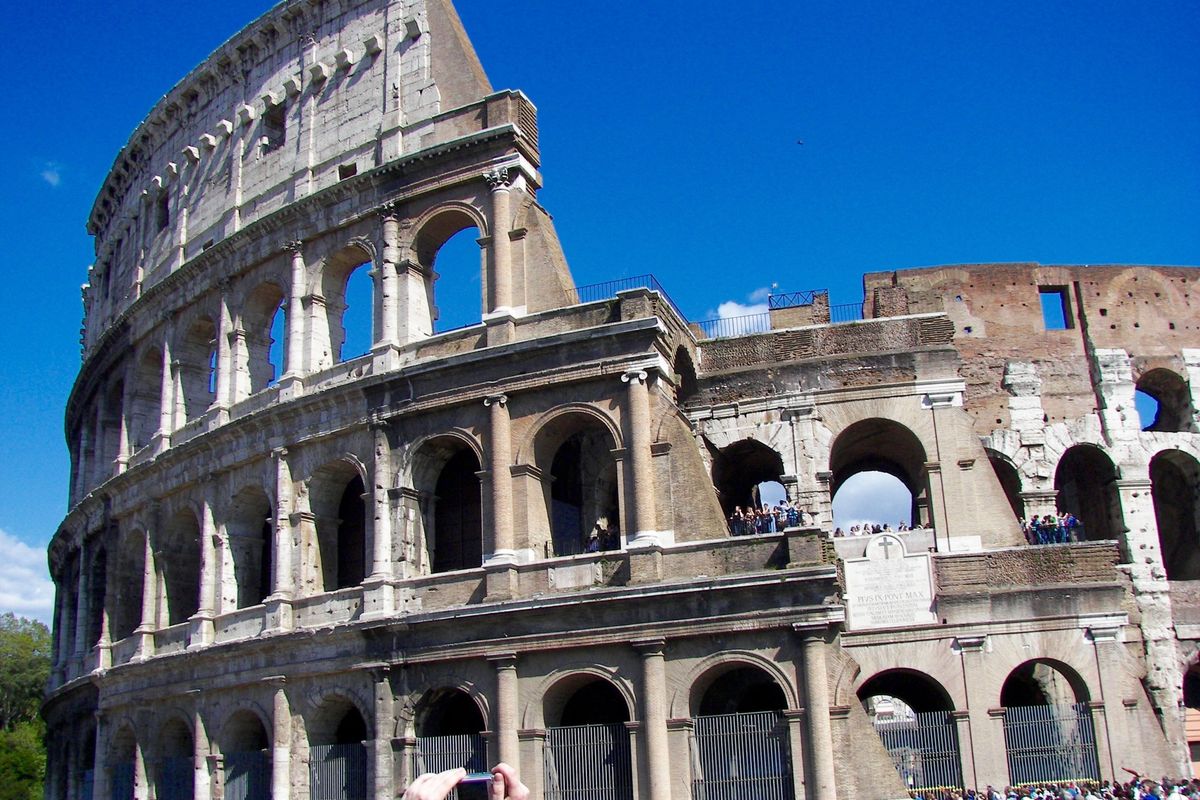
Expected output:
(887, 587)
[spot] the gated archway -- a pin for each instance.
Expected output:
(246, 758)
(740, 736)
(587, 754)
(1049, 734)
(912, 713)
(337, 764)
(449, 731)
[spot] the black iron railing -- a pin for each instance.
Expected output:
(602, 291)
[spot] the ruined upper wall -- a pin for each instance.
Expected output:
(309, 94)
(1149, 312)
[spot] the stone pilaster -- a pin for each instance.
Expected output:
(645, 529)
(387, 278)
(279, 602)
(281, 744)
(500, 452)
(380, 753)
(379, 593)
(507, 745)
(821, 783)
(500, 281)
(202, 780)
(149, 621)
(230, 366)
(81, 644)
(654, 719)
(201, 633)
(294, 368)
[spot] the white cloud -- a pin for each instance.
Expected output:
(52, 173)
(755, 308)
(874, 497)
(25, 586)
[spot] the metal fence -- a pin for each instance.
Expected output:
(845, 312)
(793, 299)
(121, 787)
(176, 779)
(602, 291)
(924, 749)
(735, 326)
(588, 762)
(337, 771)
(248, 775)
(739, 756)
(1050, 743)
(440, 753)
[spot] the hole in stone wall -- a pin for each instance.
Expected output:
(1056, 312)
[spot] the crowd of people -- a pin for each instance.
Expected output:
(867, 528)
(765, 518)
(1138, 788)
(1052, 529)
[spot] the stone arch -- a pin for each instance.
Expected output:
(684, 369)
(736, 682)
(449, 710)
(337, 270)
(97, 583)
(195, 353)
(573, 447)
(129, 572)
(879, 444)
(145, 411)
(179, 565)
(250, 528)
(176, 753)
(108, 433)
(1174, 397)
(740, 468)
(557, 687)
(1175, 487)
(1010, 480)
(120, 760)
(444, 472)
(919, 691)
(1043, 681)
(1086, 481)
(700, 677)
(259, 313)
(245, 729)
(338, 502)
(432, 231)
(338, 718)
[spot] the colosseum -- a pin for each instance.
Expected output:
(290, 569)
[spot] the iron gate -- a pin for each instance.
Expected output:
(741, 756)
(337, 772)
(175, 781)
(1050, 743)
(248, 775)
(924, 749)
(588, 762)
(440, 753)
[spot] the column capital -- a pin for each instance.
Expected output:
(502, 660)
(649, 647)
(636, 374)
(389, 210)
(279, 453)
(498, 179)
(295, 247)
(496, 399)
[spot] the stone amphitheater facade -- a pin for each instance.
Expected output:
(291, 573)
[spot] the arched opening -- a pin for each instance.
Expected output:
(449, 729)
(196, 355)
(145, 414)
(457, 530)
(108, 433)
(349, 304)
(1175, 486)
(911, 713)
(97, 585)
(879, 447)
(251, 534)
(447, 247)
(587, 745)
(337, 767)
(582, 496)
(179, 554)
(1170, 400)
(122, 754)
(129, 572)
(740, 735)
(739, 471)
(246, 752)
(872, 501)
(1049, 734)
(177, 769)
(263, 321)
(1086, 481)
(338, 503)
(686, 385)
(1010, 482)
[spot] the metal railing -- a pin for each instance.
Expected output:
(248, 775)
(924, 749)
(588, 762)
(337, 771)
(592, 292)
(726, 327)
(845, 312)
(1050, 743)
(737, 756)
(440, 753)
(793, 299)
(177, 778)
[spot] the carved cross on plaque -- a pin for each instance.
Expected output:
(887, 544)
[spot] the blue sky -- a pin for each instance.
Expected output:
(932, 133)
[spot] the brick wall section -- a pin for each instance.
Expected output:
(1018, 567)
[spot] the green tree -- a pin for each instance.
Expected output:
(24, 670)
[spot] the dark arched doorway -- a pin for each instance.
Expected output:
(1086, 480)
(587, 744)
(911, 712)
(1175, 482)
(1049, 734)
(337, 766)
(449, 731)
(458, 517)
